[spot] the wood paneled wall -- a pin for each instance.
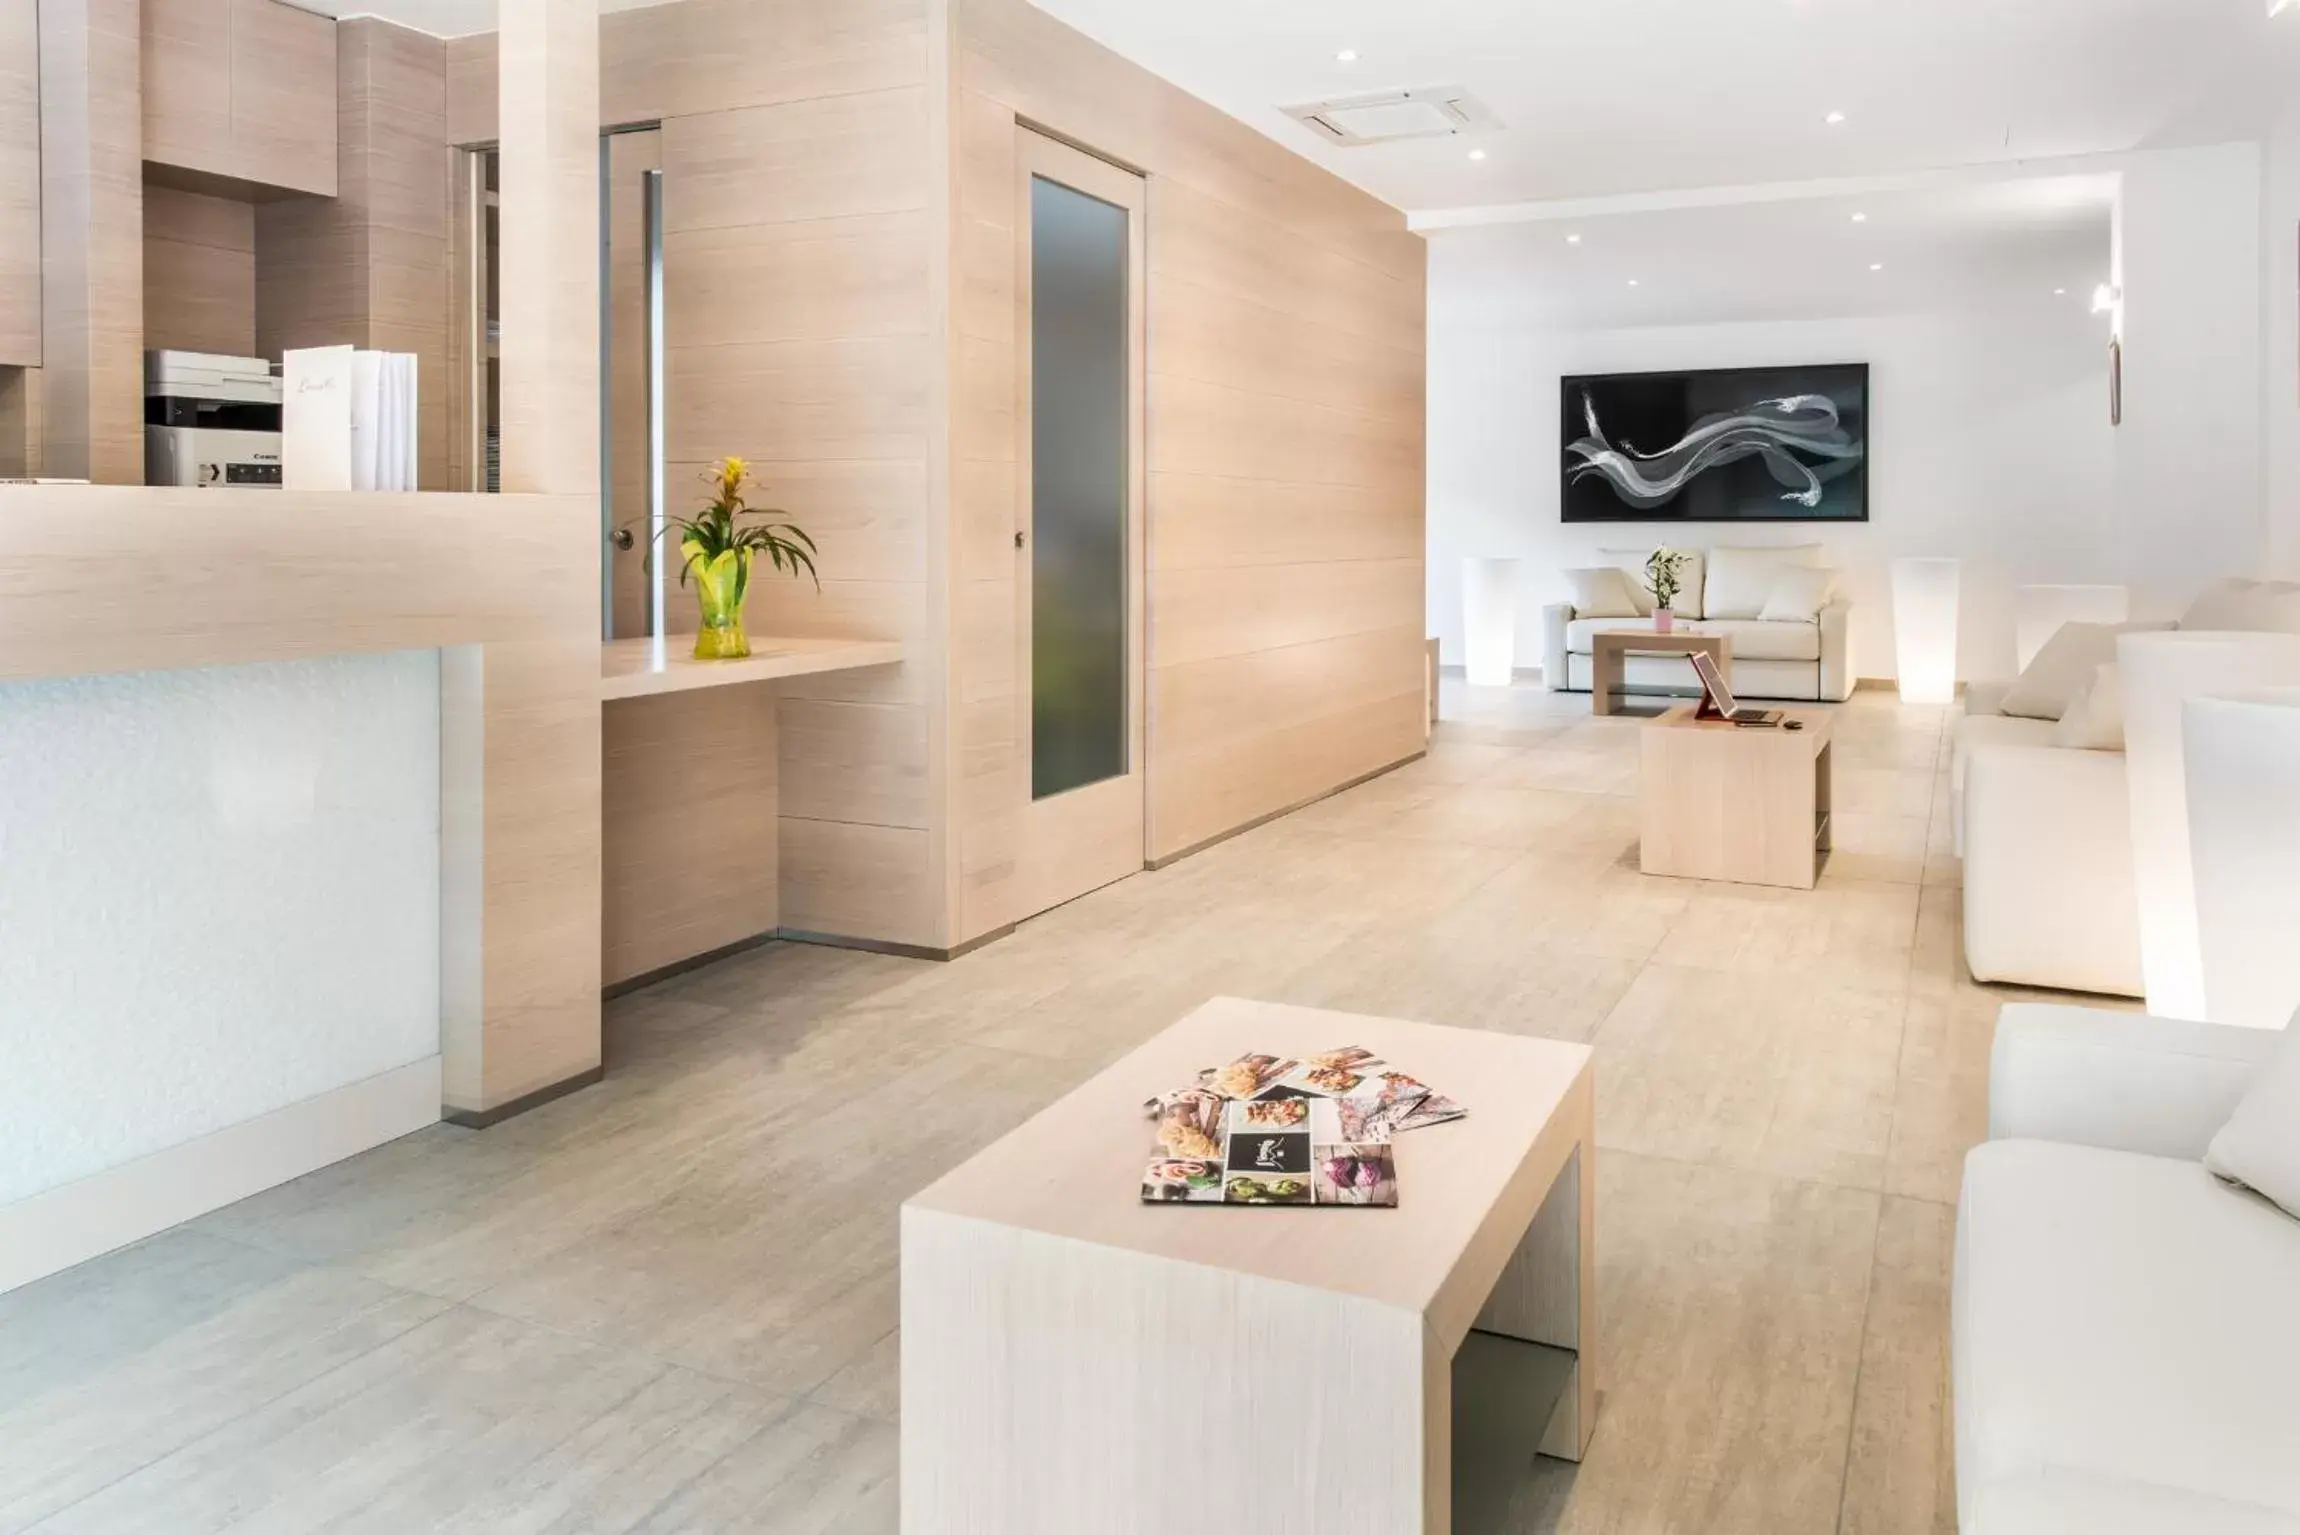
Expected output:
(242, 92)
(839, 181)
(199, 272)
(91, 241)
(19, 183)
(800, 234)
(370, 267)
(1285, 452)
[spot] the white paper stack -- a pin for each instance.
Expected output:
(348, 420)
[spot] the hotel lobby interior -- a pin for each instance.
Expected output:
(704, 702)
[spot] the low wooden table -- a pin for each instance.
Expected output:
(1735, 802)
(1609, 649)
(1073, 1359)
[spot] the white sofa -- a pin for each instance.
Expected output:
(2125, 1337)
(2046, 834)
(1771, 658)
(2046, 830)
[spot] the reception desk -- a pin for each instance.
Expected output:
(300, 801)
(692, 862)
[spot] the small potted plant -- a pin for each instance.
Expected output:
(717, 547)
(1664, 571)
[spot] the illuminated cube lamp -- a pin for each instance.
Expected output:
(1489, 621)
(2242, 754)
(2041, 610)
(2160, 672)
(1925, 629)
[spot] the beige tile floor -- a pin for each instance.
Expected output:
(669, 1303)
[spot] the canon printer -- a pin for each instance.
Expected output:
(210, 420)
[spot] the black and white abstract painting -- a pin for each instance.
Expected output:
(1718, 445)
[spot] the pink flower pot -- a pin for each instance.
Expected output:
(1663, 619)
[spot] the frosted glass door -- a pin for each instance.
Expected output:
(1079, 477)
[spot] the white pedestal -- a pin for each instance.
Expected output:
(2242, 756)
(1489, 621)
(1925, 629)
(2041, 610)
(2161, 671)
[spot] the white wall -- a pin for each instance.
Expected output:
(2280, 355)
(219, 896)
(2188, 460)
(1989, 440)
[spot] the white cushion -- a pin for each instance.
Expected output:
(2245, 607)
(2095, 718)
(1741, 579)
(1752, 640)
(2066, 665)
(1755, 639)
(1798, 596)
(2259, 1147)
(1603, 592)
(2119, 1316)
(1632, 561)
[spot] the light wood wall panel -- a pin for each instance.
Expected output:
(802, 233)
(1285, 449)
(702, 56)
(92, 241)
(199, 272)
(19, 183)
(241, 91)
(371, 266)
(689, 845)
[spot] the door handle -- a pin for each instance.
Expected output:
(1018, 538)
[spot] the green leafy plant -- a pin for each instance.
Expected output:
(720, 530)
(1665, 573)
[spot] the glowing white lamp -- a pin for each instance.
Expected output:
(2160, 671)
(1489, 621)
(2242, 754)
(1925, 629)
(2039, 611)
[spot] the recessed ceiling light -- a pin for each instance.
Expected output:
(1860, 218)
(1834, 118)
(1346, 56)
(1477, 154)
(1876, 266)
(1573, 239)
(1633, 282)
(2060, 293)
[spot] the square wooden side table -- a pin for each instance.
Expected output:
(1076, 1360)
(1748, 804)
(1610, 648)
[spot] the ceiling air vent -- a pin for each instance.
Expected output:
(1427, 113)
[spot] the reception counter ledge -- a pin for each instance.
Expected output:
(200, 653)
(692, 804)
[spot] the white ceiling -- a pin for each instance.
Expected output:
(1606, 97)
(1998, 246)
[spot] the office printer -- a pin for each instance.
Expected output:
(210, 420)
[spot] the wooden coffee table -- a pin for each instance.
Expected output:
(1735, 802)
(1073, 1359)
(1609, 649)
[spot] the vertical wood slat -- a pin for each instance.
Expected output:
(549, 84)
(19, 184)
(92, 241)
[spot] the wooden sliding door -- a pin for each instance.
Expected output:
(1080, 539)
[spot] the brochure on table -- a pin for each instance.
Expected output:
(1269, 1130)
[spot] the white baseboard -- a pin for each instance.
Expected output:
(53, 1231)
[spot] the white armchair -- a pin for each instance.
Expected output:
(2125, 1348)
(2049, 896)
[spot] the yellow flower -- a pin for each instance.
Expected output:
(731, 472)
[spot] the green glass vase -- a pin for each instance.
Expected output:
(721, 581)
